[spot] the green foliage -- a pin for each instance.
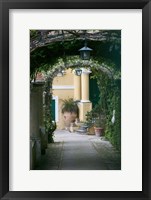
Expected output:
(50, 125)
(113, 131)
(50, 128)
(98, 123)
(69, 105)
(45, 57)
(110, 99)
(33, 34)
(96, 117)
(90, 118)
(107, 52)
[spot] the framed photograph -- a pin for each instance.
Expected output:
(75, 99)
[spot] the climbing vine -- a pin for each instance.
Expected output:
(109, 103)
(50, 126)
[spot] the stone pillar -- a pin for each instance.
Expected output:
(34, 112)
(36, 122)
(40, 103)
(85, 105)
(43, 135)
(85, 85)
(77, 87)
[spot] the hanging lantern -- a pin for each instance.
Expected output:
(78, 71)
(85, 52)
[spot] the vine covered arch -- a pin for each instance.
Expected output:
(46, 46)
(52, 51)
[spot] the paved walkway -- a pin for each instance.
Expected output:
(75, 151)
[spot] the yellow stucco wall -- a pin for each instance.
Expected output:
(65, 81)
(63, 87)
(63, 94)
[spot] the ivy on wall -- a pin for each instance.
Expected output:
(110, 105)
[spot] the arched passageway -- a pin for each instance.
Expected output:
(55, 55)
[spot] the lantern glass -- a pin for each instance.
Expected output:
(78, 72)
(85, 53)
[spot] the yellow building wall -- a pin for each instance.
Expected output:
(63, 93)
(63, 88)
(65, 81)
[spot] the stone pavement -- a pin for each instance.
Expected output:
(75, 151)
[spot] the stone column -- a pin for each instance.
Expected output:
(36, 122)
(85, 85)
(77, 87)
(34, 112)
(85, 105)
(43, 136)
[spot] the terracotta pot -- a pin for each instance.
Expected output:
(98, 131)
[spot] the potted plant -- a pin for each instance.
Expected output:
(90, 119)
(98, 128)
(70, 112)
(99, 125)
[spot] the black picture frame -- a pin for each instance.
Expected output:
(5, 5)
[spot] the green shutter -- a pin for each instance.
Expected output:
(53, 109)
(93, 92)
